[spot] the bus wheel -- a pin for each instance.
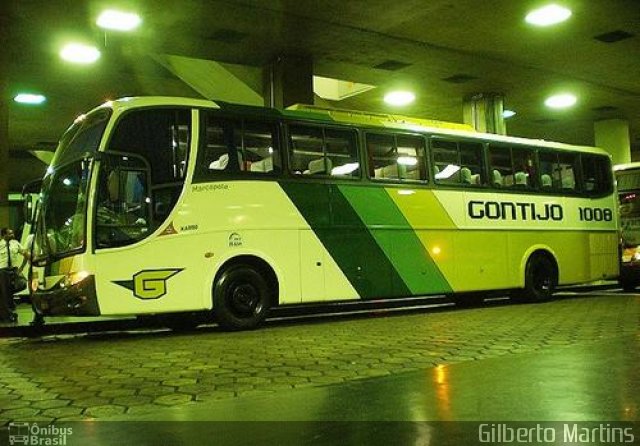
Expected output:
(240, 298)
(540, 279)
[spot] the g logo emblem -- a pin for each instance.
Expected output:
(149, 284)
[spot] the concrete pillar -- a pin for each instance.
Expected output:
(288, 80)
(613, 136)
(483, 111)
(4, 119)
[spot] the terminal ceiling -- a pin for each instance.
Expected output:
(443, 50)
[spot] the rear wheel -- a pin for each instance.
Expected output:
(241, 298)
(540, 280)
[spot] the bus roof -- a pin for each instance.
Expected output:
(315, 113)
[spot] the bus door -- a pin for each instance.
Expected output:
(137, 272)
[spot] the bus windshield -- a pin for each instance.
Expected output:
(61, 227)
(62, 223)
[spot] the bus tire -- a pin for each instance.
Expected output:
(540, 279)
(241, 298)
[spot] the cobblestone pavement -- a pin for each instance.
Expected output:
(89, 376)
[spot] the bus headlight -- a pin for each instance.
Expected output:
(76, 277)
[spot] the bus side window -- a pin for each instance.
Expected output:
(160, 137)
(305, 146)
(526, 174)
(549, 179)
(219, 147)
(472, 160)
(567, 168)
(341, 153)
(595, 175)
(382, 156)
(501, 166)
(446, 159)
(411, 157)
(260, 152)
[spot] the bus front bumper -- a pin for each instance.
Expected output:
(75, 300)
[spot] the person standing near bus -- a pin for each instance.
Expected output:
(12, 255)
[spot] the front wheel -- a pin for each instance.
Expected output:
(240, 298)
(540, 279)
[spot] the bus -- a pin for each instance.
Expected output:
(186, 207)
(628, 180)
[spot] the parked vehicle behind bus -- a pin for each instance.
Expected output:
(628, 180)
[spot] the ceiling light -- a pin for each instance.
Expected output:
(548, 15)
(28, 98)
(560, 100)
(508, 113)
(399, 98)
(118, 20)
(79, 53)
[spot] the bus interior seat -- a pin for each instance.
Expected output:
(221, 163)
(568, 183)
(413, 174)
(521, 179)
(465, 174)
(545, 181)
(264, 165)
(318, 166)
(475, 178)
(497, 178)
(392, 171)
(589, 184)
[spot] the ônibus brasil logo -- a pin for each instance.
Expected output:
(32, 434)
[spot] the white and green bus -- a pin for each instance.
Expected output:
(180, 207)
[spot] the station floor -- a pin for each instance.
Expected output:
(573, 359)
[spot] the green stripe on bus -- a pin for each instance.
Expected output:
(397, 238)
(347, 239)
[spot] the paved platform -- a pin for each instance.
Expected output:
(138, 374)
(571, 383)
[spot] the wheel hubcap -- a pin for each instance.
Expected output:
(543, 280)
